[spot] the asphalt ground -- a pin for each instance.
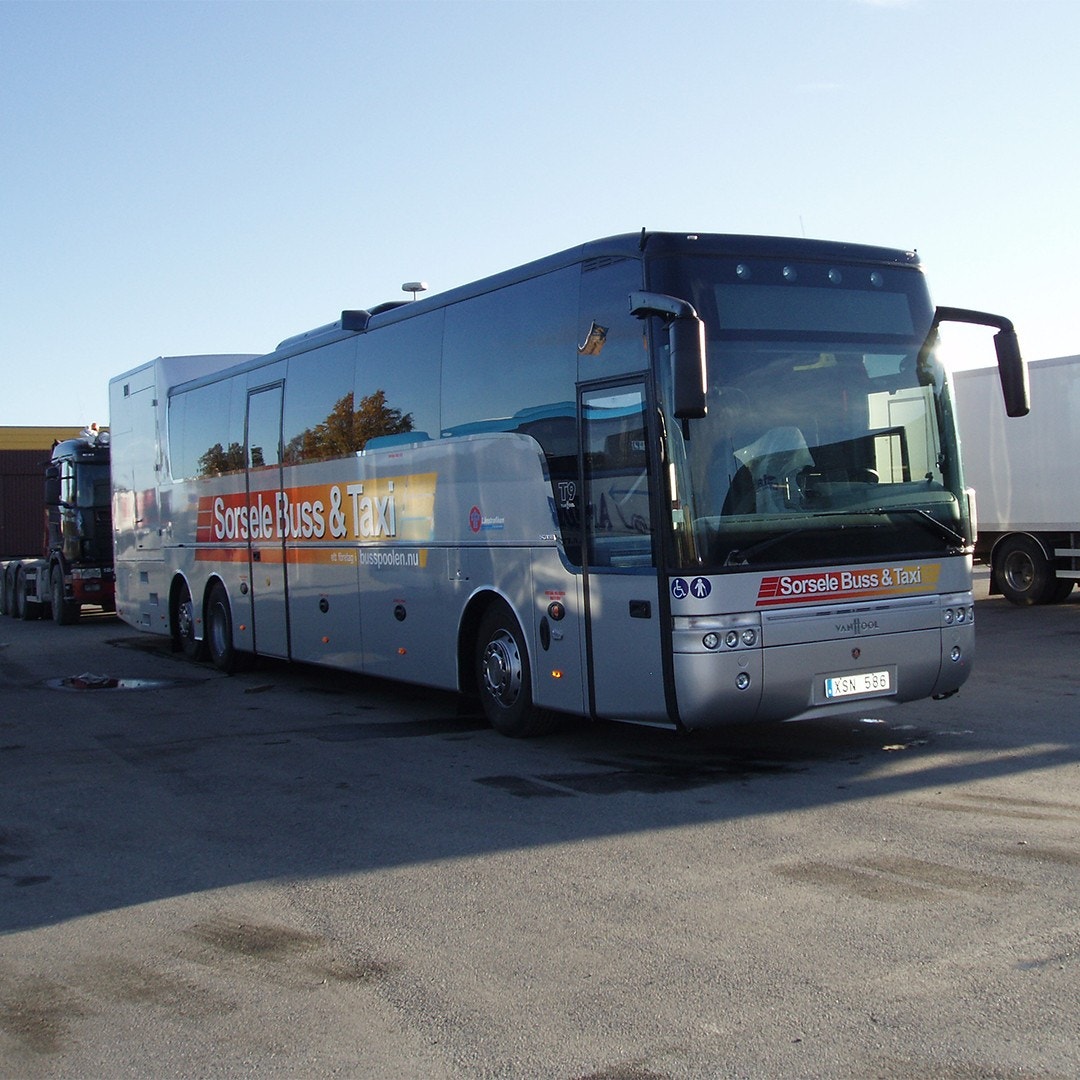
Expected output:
(297, 873)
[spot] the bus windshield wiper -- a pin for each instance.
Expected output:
(925, 517)
(742, 556)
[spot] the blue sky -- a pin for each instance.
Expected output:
(214, 177)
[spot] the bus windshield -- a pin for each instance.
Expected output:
(828, 438)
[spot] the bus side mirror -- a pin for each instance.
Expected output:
(1011, 367)
(686, 343)
(1013, 373)
(686, 337)
(52, 486)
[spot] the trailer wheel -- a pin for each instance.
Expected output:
(64, 612)
(1061, 590)
(504, 678)
(184, 626)
(1024, 572)
(219, 630)
(25, 609)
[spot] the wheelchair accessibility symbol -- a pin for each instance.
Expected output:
(699, 588)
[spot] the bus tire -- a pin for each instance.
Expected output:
(184, 626)
(504, 678)
(25, 609)
(1023, 571)
(219, 630)
(64, 612)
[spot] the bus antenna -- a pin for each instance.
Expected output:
(414, 287)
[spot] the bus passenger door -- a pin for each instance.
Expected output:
(266, 539)
(624, 636)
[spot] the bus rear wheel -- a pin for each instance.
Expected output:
(184, 626)
(219, 631)
(504, 677)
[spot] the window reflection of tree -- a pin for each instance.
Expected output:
(344, 431)
(217, 460)
(347, 430)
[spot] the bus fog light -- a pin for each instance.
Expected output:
(711, 641)
(742, 681)
(956, 653)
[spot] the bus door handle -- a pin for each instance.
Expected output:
(640, 609)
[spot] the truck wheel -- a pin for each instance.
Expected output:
(219, 630)
(1060, 591)
(26, 609)
(11, 588)
(504, 678)
(184, 626)
(1023, 571)
(64, 612)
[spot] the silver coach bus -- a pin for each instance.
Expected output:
(686, 480)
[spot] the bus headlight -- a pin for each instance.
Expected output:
(958, 610)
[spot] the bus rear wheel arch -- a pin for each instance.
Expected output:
(503, 676)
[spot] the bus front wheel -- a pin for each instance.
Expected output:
(504, 677)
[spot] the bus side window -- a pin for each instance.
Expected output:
(618, 503)
(509, 355)
(397, 380)
(509, 364)
(197, 420)
(610, 340)
(319, 406)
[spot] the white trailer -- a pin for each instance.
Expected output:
(138, 404)
(1024, 472)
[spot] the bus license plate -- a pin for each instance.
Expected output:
(866, 682)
